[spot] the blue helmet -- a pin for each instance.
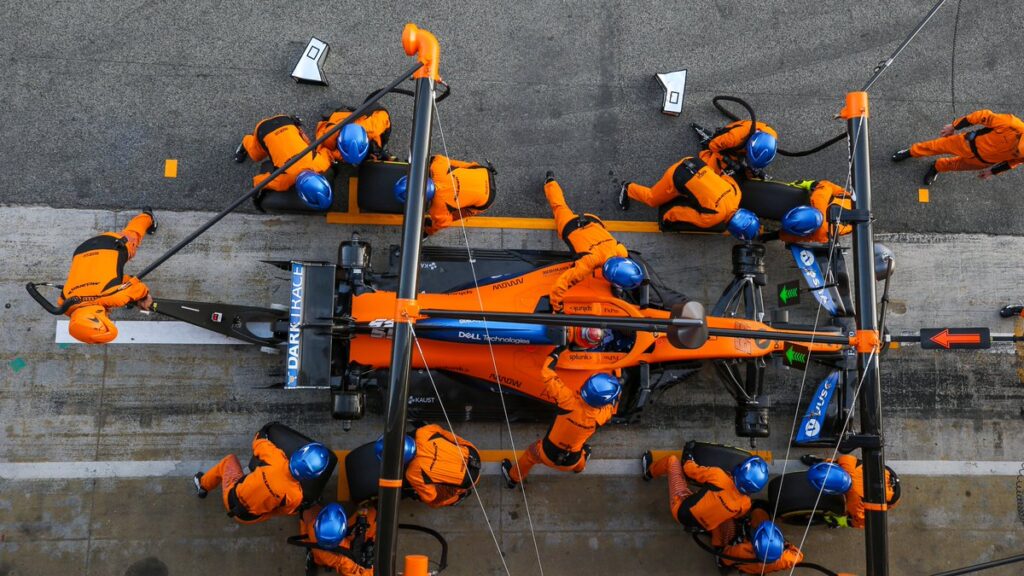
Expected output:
(751, 475)
(407, 454)
(829, 478)
(402, 187)
(802, 221)
(600, 390)
(768, 542)
(314, 190)
(744, 225)
(761, 148)
(623, 272)
(353, 143)
(330, 525)
(309, 462)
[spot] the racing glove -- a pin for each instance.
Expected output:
(554, 357)
(688, 449)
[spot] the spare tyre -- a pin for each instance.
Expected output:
(288, 440)
(362, 469)
(718, 455)
(796, 503)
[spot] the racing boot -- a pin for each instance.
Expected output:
(586, 458)
(506, 473)
(1011, 310)
(624, 196)
(549, 176)
(901, 155)
(200, 492)
(645, 466)
(152, 227)
(931, 175)
(240, 154)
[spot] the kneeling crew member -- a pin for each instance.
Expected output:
(277, 140)
(441, 469)
(745, 144)
(854, 488)
(722, 498)
(272, 489)
(345, 545)
(565, 446)
(809, 223)
(98, 280)
(764, 551)
(366, 136)
(593, 247)
(994, 149)
(698, 196)
(462, 189)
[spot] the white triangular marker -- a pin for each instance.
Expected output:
(310, 68)
(674, 84)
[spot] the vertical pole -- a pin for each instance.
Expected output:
(872, 449)
(414, 41)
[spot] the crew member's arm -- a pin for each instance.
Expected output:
(986, 118)
(439, 217)
(134, 291)
(582, 269)
(554, 388)
(734, 137)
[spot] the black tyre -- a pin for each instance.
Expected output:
(796, 502)
(376, 190)
(362, 471)
(289, 440)
(718, 455)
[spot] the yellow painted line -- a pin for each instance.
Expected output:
(343, 494)
(894, 345)
(922, 195)
(170, 168)
(514, 223)
(659, 454)
(353, 197)
(499, 455)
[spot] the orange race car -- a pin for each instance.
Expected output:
(336, 333)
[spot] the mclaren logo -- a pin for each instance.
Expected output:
(507, 284)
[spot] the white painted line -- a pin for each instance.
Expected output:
(608, 467)
(156, 332)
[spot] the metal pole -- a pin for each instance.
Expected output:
(985, 566)
(391, 476)
(884, 64)
(872, 452)
(329, 134)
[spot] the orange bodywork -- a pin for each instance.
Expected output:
(518, 366)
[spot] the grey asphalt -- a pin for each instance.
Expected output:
(99, 94)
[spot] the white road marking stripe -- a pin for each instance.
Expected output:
(155, 332)
(603, 467)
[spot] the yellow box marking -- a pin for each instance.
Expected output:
(170, 168)
(922, 195)
(353, 197)
(369, 219)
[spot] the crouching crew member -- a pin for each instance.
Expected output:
(692, 195)
(722, 497)
(993, 149)
(810, 223)
(593, 247)
(275, 141)
(366, 136)
(272, 489)
(335, 541)
(826, 477)
(455, 190)
(441, 469)
(565, 447)
(762, 549)
(743, 144)
(98, 281)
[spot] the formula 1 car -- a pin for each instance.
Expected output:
(335, 333)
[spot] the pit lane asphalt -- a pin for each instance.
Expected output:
(99, 94)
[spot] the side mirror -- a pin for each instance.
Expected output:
(885, 262)
(690, 337)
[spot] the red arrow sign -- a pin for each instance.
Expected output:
(945, 339)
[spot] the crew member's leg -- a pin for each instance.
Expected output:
(530, 458)
(723, 534)
(955, 145)
(662, 191)
(556, 199)
(957, 164)
(678, 490)
(134, 231)
(226, 473)
(698, 219)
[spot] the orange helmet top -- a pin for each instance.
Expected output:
(90, 324)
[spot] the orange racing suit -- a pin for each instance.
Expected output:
(591, 244)
(445, 468)
(732, 140)
(697, 194)
(564, 447)
(998, 145)
(268, 491)
(708, 507)
(461, 190)
(276, 140)
(791, 555)
(376, 122)
(823, 194)
(97, 273)
(855, 497)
